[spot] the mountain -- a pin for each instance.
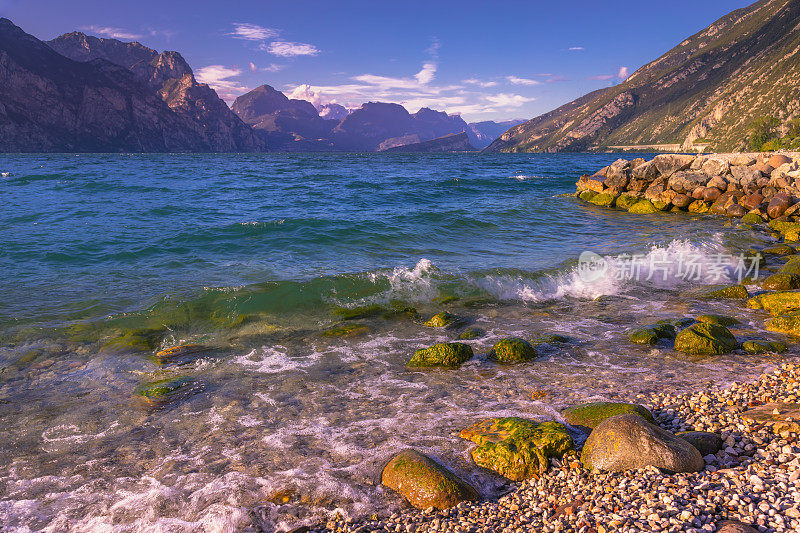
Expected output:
(711, 87)
(50, 103)
(483, 133)
(453, 142)
(172, 79)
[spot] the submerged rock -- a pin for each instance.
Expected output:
(757, 347)
(512, 350)
(135, 340)
(347, 330)
(444, 320)
(588, 416)
(159, 393)
(626, 201)
(550, 339)
(424, 482)
(471, 334)
(652, 334)
(517, 448)
(706, 443)
(355, 313)
(447, 355)
(176, 352)
(629, 442)
(705, 339)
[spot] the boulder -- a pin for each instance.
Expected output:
(595, 183)
(736, 211)
(629, 442)
(782, 281)
(744, 176)
(687, 181)
(757, 347)
(706, 443)
(719, 320)
(471, 334)
(699, 206)
(788, 324)
(646, 171)
(656, 189)
(715, 167)
(638, 185)
(752, 218)
(517, 448)
(752, 201)
(424, 482)
(719, 182)
(444, 320)
(705, 339)
(512, 350)
(587, 195)
(776, 303)
(603, 199)
(778, 205)
(668, 164)
(681, 201)
(643, 207)
(792, 266)
(779, 159)
(447, 355)
(626, 201)
(732, 526)
(721, 205)
(710, 194)
(587, 416)
(159, 393)
(743, 160)
(652, 334)
(618, 174)
(734, 292)
(780, 417)
(135, 340)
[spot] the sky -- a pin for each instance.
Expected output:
(483, 60)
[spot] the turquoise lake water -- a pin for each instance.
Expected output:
(255, 257)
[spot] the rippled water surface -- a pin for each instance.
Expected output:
(256, 257)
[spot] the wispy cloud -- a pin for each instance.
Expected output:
(288, 49)
(114, 33)
(521, 81)
(219, 78)
(576, 48)
(272, 67)
(480, 83)
(623, 73)
(252, 32)
(509, 100)
(602, 77)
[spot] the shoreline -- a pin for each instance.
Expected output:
(753, 479)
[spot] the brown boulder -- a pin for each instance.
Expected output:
(730, 526)
(646, 171)
(752, 201)
(638, 185)
(778, 205)
(683, 181)
(711, 194)
(778, 159)
(596, 183)
(424, 482)
(736, 211)
(720, 207)
(743, 160)
(668, 164)
(681, 201)
(744, 176)
(766, 169)
(656, 189)
(715, 167)
(719, 182)
(697, 194)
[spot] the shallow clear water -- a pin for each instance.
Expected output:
(253, 256)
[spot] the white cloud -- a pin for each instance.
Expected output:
(218, 77)
(114, 33)
(426, 75)
(576, 48)
(305, 92)
(521, 81)
(252, 32)
(602, 77)
(288, 49)
(480, 83)
(509, 100)
(272, 67)
(623, 73)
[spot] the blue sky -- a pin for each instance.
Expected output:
(485, 60)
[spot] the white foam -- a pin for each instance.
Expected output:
(274, 360)
(5, 174)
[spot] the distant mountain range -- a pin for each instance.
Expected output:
(709, 89)
(79, 93)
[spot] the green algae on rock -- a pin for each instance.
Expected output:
(447, 355)
(629, 442)
(444, 320)
(159, 393)
(347, 330)
(758, 347)
(355, 313)
(517, 448)
(788, 324)
(471, 334)
(705, 339)
(512, 350)
(588, 416)
(733, 292)
(135, 340)
(719, 320)
(626, 201)
(643, 207)
(776, 303)
(782, 281)
(550, 339)
(424, 482)
(652, 334)
(603, 200)
(169, 355)
(587, 196)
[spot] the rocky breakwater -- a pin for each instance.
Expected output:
(755, 187)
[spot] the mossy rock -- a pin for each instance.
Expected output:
(785, 227)
(424, 482)
(752, 218)
(719, 320)
(792, 266)
(512, 350)
(550, 339)
(699, 207)
(733, 292)
(517, 448)
(470, 334)
(83, 332)
(782, 281)
(135, 340)
(678, 323)
(757, 347)
(355, 313)
(705, 339)
(603, 199)
(446, 355)
(226, 319)
(444, 320)
(776, 303)
(643, 207)
(588, 416)
(587, 196)
(779, 250)
(444, 300)
(399, 312)
(788, 324)
(661, 206)
(159, 393)
(347, 330)
(650, 335)
(169, 355)
(626, 201)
